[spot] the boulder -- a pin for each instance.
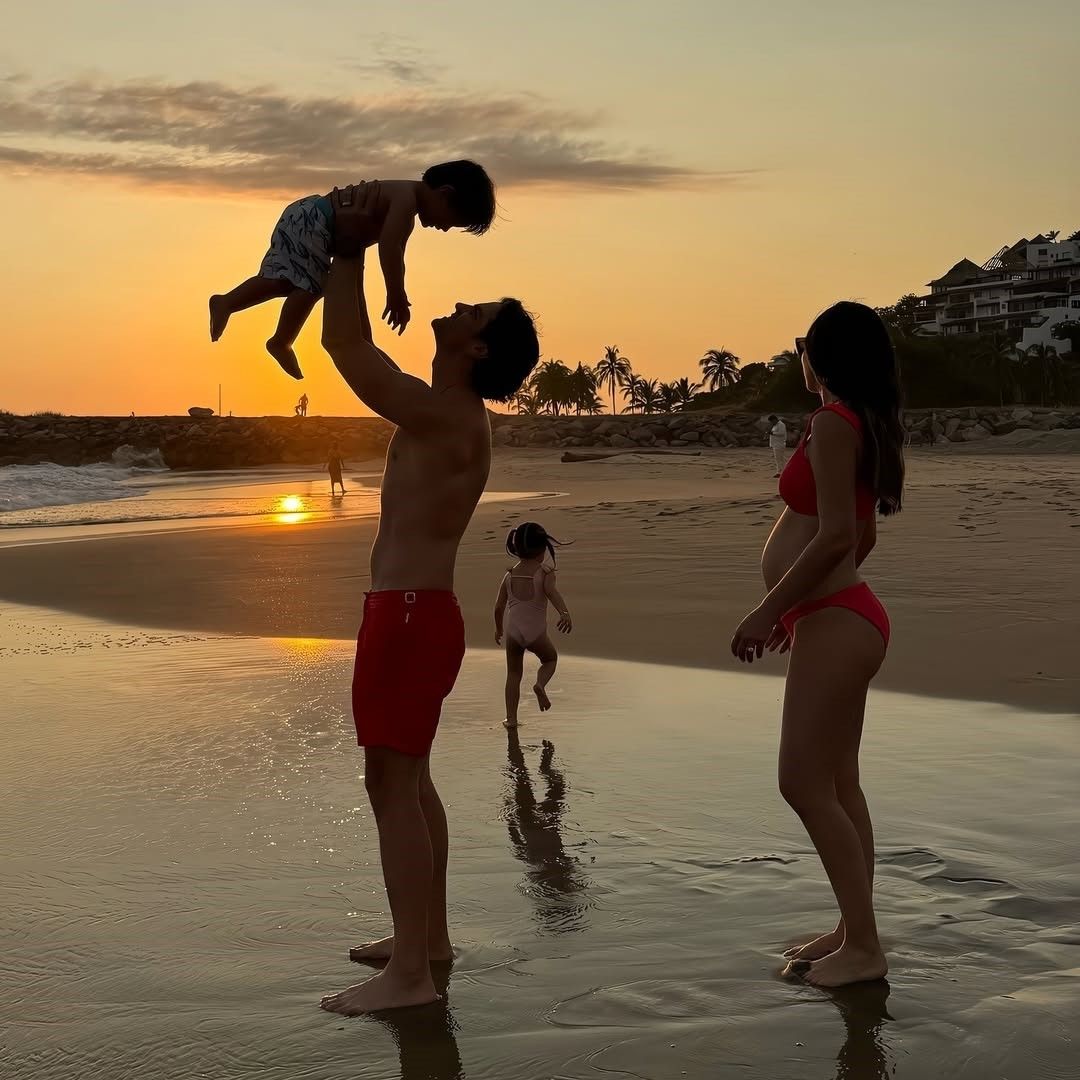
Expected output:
(976, 433)
(199, 411)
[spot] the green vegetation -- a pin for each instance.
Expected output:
(946, 372)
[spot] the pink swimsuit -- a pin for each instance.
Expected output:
(526, 619)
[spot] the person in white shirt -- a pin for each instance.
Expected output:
(778, 441)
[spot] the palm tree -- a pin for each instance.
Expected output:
(1046, 367)
(592, 406)
(685, 391)
(646, 395)
(553, 386)
(629, 384)
(526, 401)
(720, 368)
(611, 371)
(999, 352)
(669, 397)
(583, 387)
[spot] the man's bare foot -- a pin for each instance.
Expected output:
(846, 965)
(285, 356)
(542, 698)
(818, 948)
(381, 992)
(379, 952)
(219, 316)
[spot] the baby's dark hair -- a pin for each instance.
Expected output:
(530, 541)
(472, 195)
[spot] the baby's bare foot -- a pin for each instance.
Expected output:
(285, 356)
(219, 316)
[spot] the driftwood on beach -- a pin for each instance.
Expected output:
(600, 455)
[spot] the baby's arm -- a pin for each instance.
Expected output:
(565, 623)
(396, 230)
(500, 611)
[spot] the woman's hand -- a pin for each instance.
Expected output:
(357, 223)
(753, 636)
(565, 623)
(779, 639)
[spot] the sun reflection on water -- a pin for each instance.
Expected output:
(290, 510)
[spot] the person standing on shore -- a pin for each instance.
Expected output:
(412, 639)
(334, 467)
(778, 442)
(849, 463)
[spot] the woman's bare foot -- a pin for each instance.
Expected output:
(379, 952)
(381, 992)
(818, 948)
(510, 722)
(285, 356)
(846, 965)
(542, 698)
(219, 316)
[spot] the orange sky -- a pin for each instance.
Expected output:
(803, 156)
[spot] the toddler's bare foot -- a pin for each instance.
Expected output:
(818, 948)
(379, 952)
(285, 356)
(380, 992)
(542, 698)
(219, 316)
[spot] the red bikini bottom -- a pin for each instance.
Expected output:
(858, 598)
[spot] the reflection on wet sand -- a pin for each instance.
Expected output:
(556, 883)
(864, 1055)
(426, 1038)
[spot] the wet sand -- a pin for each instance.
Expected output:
(189, 855)
(980, 573)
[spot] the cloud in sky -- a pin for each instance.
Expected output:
(212, 137)
(398, 59)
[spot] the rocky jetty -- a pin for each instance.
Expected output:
(234, 442)
(215, 442)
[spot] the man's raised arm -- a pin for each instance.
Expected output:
(371, 375)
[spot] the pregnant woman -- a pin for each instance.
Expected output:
(848, 465)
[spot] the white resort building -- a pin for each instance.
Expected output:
(1026, 289)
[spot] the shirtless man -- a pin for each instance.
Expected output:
(412, 639)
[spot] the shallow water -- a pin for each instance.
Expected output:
(75, 502)
(189, 854)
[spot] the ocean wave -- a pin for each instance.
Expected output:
(26, 487)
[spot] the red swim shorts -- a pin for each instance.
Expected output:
(408, 655)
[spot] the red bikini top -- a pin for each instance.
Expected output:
(797, 487)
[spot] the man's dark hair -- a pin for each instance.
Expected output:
(774, 418)
(472, 196)
(513, 350)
